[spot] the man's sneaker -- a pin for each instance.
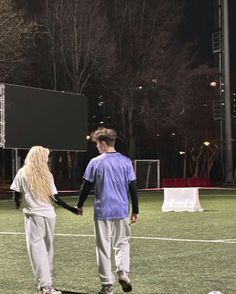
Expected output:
(49, 290)
(125, 281)
(106, 289)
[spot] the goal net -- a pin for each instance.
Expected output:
(148, 173)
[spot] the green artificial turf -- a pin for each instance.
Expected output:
(171, 252)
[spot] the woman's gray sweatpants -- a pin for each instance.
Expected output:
(39, 240)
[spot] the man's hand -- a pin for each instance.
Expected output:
(79, 210)
(134, 218)
(73, 210)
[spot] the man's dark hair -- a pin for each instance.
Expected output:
(106, 135)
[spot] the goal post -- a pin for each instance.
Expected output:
(147, 173)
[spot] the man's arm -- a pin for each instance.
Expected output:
(60, 202)
(134, 202)
(84, 191)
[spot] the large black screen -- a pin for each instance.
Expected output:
(56, 120)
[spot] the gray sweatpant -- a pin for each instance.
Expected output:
(110, 233)
(39, 240)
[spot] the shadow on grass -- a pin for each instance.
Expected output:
(69, 292)
(210, 210)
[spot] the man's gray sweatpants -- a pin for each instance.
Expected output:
(114, 233)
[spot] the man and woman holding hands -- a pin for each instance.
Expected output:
(112, 177)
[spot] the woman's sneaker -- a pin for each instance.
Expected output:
(106, 289)
(49, 290)
(125, 281)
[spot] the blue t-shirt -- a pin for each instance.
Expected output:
(111, 174)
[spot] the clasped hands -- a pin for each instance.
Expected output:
(79, 210)
(134, 216)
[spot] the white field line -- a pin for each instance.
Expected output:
(141, 195)
(227, 241)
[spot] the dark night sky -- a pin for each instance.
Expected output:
(198, 25)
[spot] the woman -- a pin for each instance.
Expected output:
(36, 183)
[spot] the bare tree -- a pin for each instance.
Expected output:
(196, 125)
(148, 57)
(79, 48)
(13, 34)
(78, 37)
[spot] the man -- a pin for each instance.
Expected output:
(113, 178)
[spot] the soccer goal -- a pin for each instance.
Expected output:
(148, 173)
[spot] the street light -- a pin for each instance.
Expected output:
(213, 84)
(206, 143)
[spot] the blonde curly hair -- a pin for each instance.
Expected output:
(37, 173)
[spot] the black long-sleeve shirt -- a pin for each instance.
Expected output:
(63, 204)
(86, 187)
(55, 198)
